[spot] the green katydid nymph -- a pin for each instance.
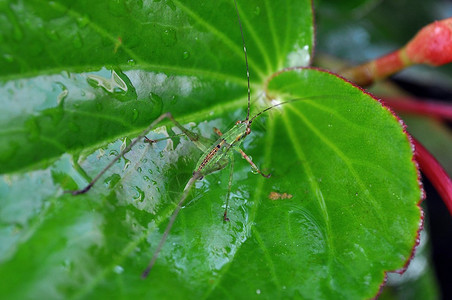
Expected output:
(215, 156)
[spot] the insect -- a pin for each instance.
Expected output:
(214, 158)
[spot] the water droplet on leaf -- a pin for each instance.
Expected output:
(99, 106)
(52, 34)
(157, 104)
(140, 195)
(117, 7)
(171, 5)
(135, 115)
(63, 95)
(112, 180)
(257, 11)
(10, 152)
(73, 127)
(127, 164)
(169, 37)
(174, 99)
(82, 21)
(8, 57)
(31, 125)
(77, 41)
(114, 84)
(125, 143)
(118, 269)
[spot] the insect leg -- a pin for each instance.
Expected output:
(253, 165)
(147, 140)
(127, 149)
(195, 138)
(217, 131)
(231, 171)
(187, 189)
(248, 159)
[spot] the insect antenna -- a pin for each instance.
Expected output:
(287, 102)
(246, 61)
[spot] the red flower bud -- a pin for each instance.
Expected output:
(432, 45)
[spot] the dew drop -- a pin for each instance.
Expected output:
(157, 103)
(118, 269)
(140, 195)
(258, 291)
(112, 180)
(117, 7)
(101, 153)
(257, 11)
(8, 57)
(118, 81)
(52, 34)
(99, 106)
(125, 143)
(18, 34)
(186, 54)
(10, 152)
(56, 114)
(77, 41)
(127, 164)
(174, 99)
(169, 37)
(114, 153)
(63, 95)
(139, 169)
(82, 21)
(135, 115)
(139, 3)
(67, 265)
(114, 84)
(31, 125)
(73, 127)
(131, 62)
(171, 5)
(13, 20)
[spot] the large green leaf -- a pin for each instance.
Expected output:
(76, 76)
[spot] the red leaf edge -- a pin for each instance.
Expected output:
(413, 149)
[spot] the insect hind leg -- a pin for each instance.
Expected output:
(231, 170)
(151, 141)
(127, 149)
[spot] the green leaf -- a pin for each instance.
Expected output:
(93, 72)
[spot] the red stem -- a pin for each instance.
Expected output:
(435, 173)
(430, 108)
